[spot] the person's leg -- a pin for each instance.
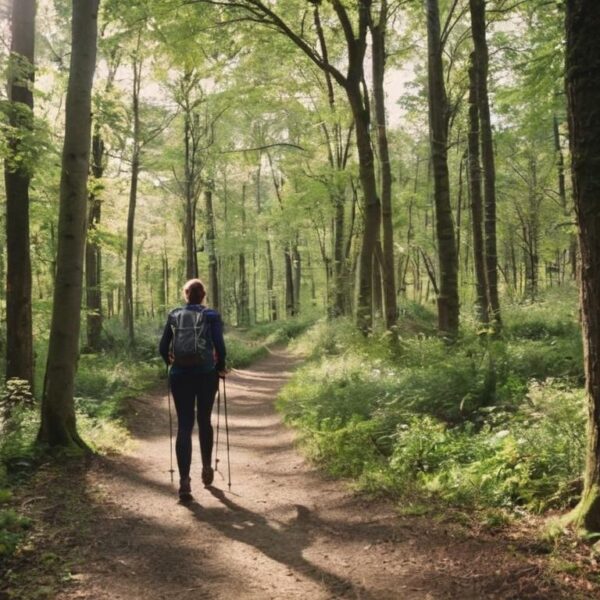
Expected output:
(182, 388)
(206, 390)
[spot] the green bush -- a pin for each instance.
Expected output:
(484, 422)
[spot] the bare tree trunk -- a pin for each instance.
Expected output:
(297, 277)
(213, 274)
(93, 251)
(583, 94)
(477, 202)
(481, 63)
(378, 33)
(19, 342)
(272, 300)
(448, 303)
(289, 281)
(135, 170)
(58, 426)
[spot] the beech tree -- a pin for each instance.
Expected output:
(17, 175)
(439, 115)
(583, 95)
(481, 67)
(58, 426)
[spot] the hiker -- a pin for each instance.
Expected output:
(192, 344)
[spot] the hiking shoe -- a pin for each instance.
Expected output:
(185, 489)
(208, 474)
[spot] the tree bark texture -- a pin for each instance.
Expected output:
(487, 154)
(19, 343)
(135, 171)
(477, 202)
(58, 427)
(448, 303)
(213, 267)
(583, 96)
(93, 251)
(387, 267)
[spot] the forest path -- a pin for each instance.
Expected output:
(283, 531)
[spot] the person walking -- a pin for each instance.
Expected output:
(192, 345)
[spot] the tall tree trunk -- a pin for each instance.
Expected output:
(213, 279)
(19, 343)
(297, 277)
(583, 94)
(481, 63)
(135, 171)
(371, 208)
(448, 303)
(191, 256)
(339, 259)
(244, 287)
(378, 33)
(289, 280)
(272, 300)
(93, 251)
(477, 202)
(58, 426)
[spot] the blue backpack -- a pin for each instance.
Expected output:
(192, 343)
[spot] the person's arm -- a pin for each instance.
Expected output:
(165, 342)
(216, 330)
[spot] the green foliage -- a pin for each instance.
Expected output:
(492, 423)
(12, 528)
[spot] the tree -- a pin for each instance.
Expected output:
(439, 115)
(481, 63)
(355, 26)
(58, 426)
(378, 36)
(583, 94)
(476, 201)
(17, 175)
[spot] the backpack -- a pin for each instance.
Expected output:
(192, 343)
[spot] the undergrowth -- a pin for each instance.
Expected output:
(483, 423)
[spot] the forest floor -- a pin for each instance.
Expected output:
(113, 528)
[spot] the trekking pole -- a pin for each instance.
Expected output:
(227, 435)
(218, 423)
(171, 470)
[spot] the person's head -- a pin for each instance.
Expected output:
(193, 291)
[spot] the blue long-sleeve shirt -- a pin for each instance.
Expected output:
(215, 323)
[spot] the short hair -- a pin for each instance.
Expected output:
(194, 291)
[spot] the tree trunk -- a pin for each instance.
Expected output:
(191, 256)
(481, 63)
(448, 303)
(213, 279)
(19, 343)
(339, 260)
(93, 252)
(272, 300)
(378, 33)
(371, 209)
(135, 170)
(297, 277)
(477, 202)
(58, 426)
(289, 281)
(583, 94)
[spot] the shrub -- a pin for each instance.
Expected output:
(484, 422)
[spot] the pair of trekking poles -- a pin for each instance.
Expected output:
(171, 470)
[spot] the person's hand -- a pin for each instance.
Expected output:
(171, 358)
(223, 373)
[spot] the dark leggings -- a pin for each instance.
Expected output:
(189, 390)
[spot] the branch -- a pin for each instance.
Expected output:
(266, 147)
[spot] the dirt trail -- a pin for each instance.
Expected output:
(283, 531)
